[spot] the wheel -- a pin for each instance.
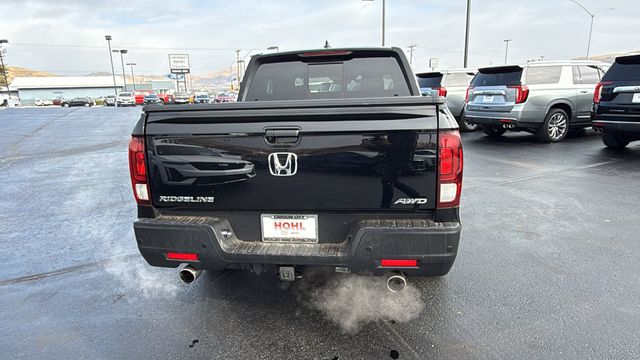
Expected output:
(493, 131)
(65, 105)
(464, 124)
(555, 126)
(87, 105)
(614, 140)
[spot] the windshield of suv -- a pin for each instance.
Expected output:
(507, 76)
(625, 68)
(358, 77)
(429, 80)
(124, 94)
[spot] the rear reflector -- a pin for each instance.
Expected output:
(182, 256)
(398, 263)
(597, 94)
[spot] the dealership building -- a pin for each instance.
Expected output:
(48, 88)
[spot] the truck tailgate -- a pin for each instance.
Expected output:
(309, 155)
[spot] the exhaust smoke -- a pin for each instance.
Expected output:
(352, 301)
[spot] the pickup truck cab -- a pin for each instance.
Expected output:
(329, 158)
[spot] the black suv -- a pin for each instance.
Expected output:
(616, 109)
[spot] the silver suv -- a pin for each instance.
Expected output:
(452, 84)
(546, 98)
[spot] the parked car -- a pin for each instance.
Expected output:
(224, 97)
(616, 110)
(152, 99)
(166, 98)
(202, 99)
(307, 204)
(57, 101)
(78, 101)
(452, 84)
(181, 98)
(125, 99)
(109, 100)
(139, 96)
(40, 102)
(547, 98)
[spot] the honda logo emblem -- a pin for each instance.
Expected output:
(283, 164)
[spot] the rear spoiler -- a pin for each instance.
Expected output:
(429, 74)
(500, 69)
(628, 59)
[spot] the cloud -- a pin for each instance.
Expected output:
(210, 31)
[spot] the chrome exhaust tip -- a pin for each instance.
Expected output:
(396, 282)
(189, 274)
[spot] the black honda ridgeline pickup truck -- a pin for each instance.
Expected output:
(329, 158)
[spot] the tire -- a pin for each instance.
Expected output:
(493, 131)
(614, 140)
(555, 126)
(465, 126)
(87, 105)
(65, 105)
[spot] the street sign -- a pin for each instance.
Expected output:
(433, 63)
(179, 63)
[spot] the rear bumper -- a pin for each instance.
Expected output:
(631, 127)
(521, 116)
(433, 244)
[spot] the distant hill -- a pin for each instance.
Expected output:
(610, 58)
(13, 71)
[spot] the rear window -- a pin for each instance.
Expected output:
(625, 68)
(358, 77)
(429, 80)
(458, 79)
(498, 76)
(543, 75)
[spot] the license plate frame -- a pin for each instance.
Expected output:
(636, 98)
(487, 99)
(289, 234)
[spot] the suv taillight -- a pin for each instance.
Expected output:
(442, 91)
(522, 93)
(138, 170)
(466, 97)
(597, 94)
(449, 169)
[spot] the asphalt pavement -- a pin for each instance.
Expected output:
(547, 267)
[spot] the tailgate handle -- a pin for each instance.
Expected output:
(282, 136)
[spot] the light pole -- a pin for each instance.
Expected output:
(133, 78)
(383, 17)
(124, 78)
(411, 47)
(4, 68)
(506, 49)
(592, 15)
(276, 48)
(113, 73)
(466, 35)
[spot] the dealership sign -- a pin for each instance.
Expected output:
(179, 63)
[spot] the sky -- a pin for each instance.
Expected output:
(67, 37)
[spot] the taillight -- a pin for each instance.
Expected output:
(442, 91)
(138, 170)
(449, 169)
(522, 93)
(597, 94)
(466, 97)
